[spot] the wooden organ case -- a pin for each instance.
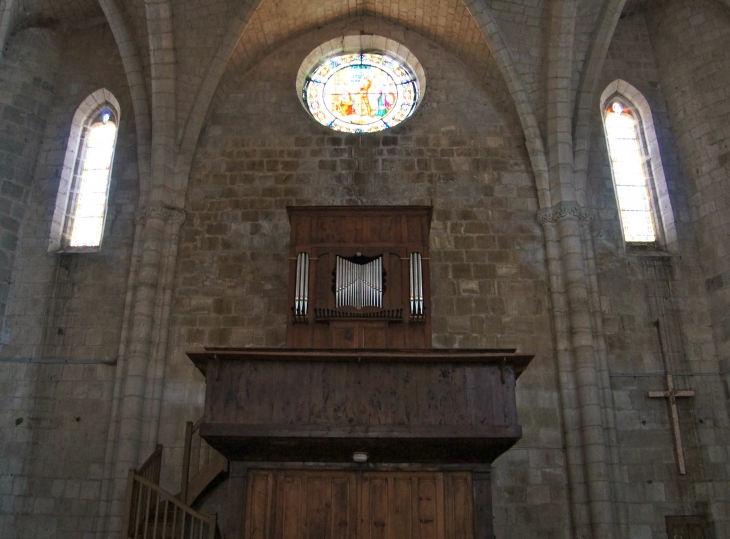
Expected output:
(359, 277)
(358, 429)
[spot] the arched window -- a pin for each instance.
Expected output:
(81, 203)
(645, 211)
(630, 175)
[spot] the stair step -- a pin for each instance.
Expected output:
(205, 476)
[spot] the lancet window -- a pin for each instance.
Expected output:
(638, 176)
(81, 202)
(630, 175)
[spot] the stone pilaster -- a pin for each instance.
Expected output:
(579, 367)
(138, 394)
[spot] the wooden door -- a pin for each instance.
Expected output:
(295, 504)
(687, 527)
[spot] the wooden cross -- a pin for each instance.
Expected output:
(672, 395)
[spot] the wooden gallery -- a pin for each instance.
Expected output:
(359, 429)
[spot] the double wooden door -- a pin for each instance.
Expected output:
(687, 527)
(295, 504)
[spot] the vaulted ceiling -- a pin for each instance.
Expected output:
(447, 22)
(65, 12)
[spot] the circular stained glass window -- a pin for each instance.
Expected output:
(361, 92)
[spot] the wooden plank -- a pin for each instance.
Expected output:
(483, 525)
(458, 510)
(380, 396)
(430, 508)
(343, 522)
(374, 334)
(378, 509)
(319, 391)
(509, 397)
(497, 396)
(364, 509)
(424, 395)
(337, 388)
(402, 395)
(345, 335)
(486, 357)
(253, 389)
(479, 386)
(687, 526)
(444, 380)
(459, 396)
(237, 503)
(259, 500)
(289, 515)
(361, 390)
(318, 502)
(402, 507)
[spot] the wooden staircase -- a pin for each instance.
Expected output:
(201, 464)
(151, 512)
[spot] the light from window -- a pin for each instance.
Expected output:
(361, 92)
(87, 200)
(629, 174)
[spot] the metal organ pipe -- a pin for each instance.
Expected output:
(359, 285)
(301, 288)
(416, 268)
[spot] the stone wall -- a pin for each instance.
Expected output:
(64, 316)
(691, 40)
(260, 151)
(28, 75)
(636, 290)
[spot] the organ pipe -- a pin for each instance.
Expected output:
(416, 286)
(301, 289)
(359, 285)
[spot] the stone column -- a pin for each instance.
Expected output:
(160, 227)
(581, 388)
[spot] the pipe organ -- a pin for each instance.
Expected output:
(359, 284)
(359, 277)
(358, 375)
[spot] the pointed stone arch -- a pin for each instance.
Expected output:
(487, 26)
(587, 89)
(135, 78)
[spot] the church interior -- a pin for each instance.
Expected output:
(360, 269)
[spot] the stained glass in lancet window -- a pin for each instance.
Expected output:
(629, 174)
(88, 197)
(361, 92)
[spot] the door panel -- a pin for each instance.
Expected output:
(295, 504)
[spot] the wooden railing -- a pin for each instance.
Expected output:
(150, 470)
(153, 513)
(201, 463)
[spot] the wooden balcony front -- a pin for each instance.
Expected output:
(399, 406)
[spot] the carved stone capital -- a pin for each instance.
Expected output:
(159, 211)
(563, 210)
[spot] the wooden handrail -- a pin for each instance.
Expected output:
(201, 463)
(151, 511)
(185, 479)
(150, 469)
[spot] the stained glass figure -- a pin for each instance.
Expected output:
(629, 174)
(361, 92)
(86, 209)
